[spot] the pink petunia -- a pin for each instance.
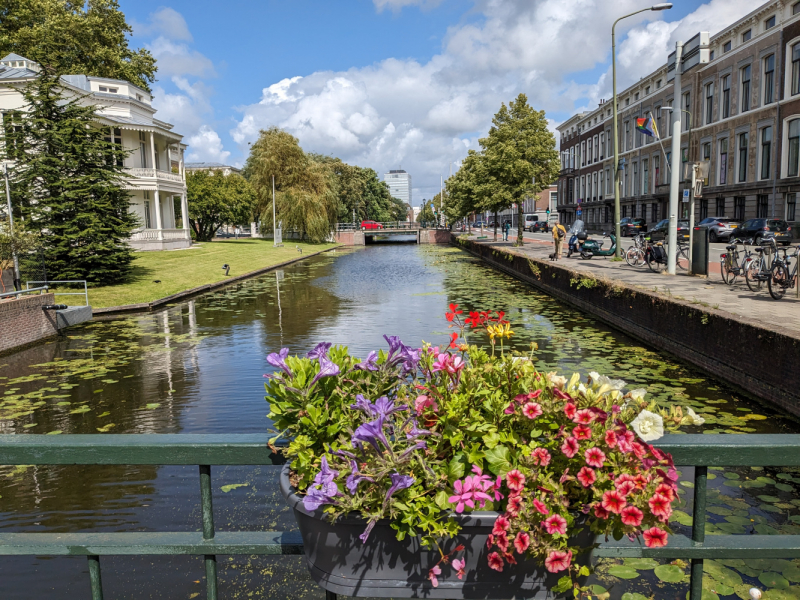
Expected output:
(555, 525)
(570, 447)
(611, 439)
(631, 516)
(665, 490)
(532, 410)
(501, 541)
(587, 476)
(613, 501)
(541, 507)
(594, 457)
(458, 565)
(582, 432)
(583, 416)
(541, 457)
(436, 570)
(520, 398)
(625, 487)
(570, 410)
(521, 542)
(558, 561)
(510, 409)
(600, 512)
(425, 402)
(501, 525)
(514, 506)
(495, 562)
(660, 506)
(655, 537)
(515, 480)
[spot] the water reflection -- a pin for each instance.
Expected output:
(198, 367)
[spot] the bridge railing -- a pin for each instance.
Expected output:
(388, 225)
(698, 451)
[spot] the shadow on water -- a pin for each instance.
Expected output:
(198, 367)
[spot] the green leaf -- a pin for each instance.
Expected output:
(584, 572)
(498, 459)
(233, 486)
(152, 405)
(669, 573)
(623, 572)
(641, 563)
(563, 584)
(633, 596)
(441, 500)
(491, 439)
(773, 580)
(456, 467)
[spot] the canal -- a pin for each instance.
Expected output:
(198, 368)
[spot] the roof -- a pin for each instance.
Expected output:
(15, 73)
(209, 165)
(13, 56)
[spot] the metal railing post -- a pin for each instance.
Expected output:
(698, 530)
(94, 577)
(207, 509)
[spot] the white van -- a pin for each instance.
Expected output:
(529, 221)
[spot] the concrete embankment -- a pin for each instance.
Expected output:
(762, 360)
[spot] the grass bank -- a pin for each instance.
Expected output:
(179, 270)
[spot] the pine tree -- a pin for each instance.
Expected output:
(67, 183)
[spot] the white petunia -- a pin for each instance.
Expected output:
(594, 376)
(557, 380)
(638, 394)
(582, 388)
(692, 418)
(648, 426)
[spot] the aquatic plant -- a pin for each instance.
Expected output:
(415, 434)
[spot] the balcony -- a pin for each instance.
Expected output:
(139, 173)
(566, 172)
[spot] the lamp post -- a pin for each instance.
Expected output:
(661, 6)
(691, 190)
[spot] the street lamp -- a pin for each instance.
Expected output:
(661, 6)
(691, 191)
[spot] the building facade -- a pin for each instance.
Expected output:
(741, 90)
(211, 166)
(399, 183)
(544, 200)
(154, 167)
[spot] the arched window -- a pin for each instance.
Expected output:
(794, 148)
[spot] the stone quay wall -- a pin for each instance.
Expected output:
(23, 322)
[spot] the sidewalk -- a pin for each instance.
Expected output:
(711, 292)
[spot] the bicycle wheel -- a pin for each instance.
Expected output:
(655, 267)
(778, 281)
(725, 270)
(634, 257)
(681, 258)
(751, 274)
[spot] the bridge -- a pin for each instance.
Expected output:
(350, 234)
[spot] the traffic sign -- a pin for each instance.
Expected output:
(686, 195)
(579, 213)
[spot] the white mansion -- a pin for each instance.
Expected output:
(154, 168)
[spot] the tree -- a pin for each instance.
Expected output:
(67, 183)
(305, 198)
(426, 212)
(18, 242)
(216, 199)
(518, 150)
(75, 37)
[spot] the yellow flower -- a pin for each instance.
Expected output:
(505, 330)
(492, 330)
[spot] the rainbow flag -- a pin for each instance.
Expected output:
(647, 126)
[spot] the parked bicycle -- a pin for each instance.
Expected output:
(733, 262)
(757, 269)
(782, 276)
(635, 255)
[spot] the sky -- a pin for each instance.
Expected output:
(393, 84)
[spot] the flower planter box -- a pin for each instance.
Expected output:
(384, 567)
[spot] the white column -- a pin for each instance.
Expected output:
(169, 159)
(185, 213)
(158, 216)
(153, 152)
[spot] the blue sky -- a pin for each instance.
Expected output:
(390, 83)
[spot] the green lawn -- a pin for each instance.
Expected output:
(179, 270)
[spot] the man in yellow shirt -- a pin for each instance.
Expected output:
(559, 235)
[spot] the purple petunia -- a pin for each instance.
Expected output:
(278, 360)
(354, 478)
(363, 537)
(327, 368)
(370, 364)
(363, 404)
(319, 350)
(415, 431)
(323, 490)
(399, 353)
(384, 407)
(399, 482)
(418, 446)
(371, 433)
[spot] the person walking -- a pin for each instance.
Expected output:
(559, 233)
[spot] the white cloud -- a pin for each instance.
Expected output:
(206, 146)
(165, 22)
(179, 59)
(425, 115)
(398, 5)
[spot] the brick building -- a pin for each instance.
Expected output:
(742, 89)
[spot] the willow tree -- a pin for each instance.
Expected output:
(305, 189)
(519, 155)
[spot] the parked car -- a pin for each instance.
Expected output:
(371, 225)
(760, 230)
(719, 228)
(540, 226)
(660, 231)
(632, 226)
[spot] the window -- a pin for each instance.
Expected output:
(636, 96)
(723, 161)
(647, 90)
(766, 151)
(571, 189)
(626, 138)
(795, 69)
(743, 141)
(709, 103)
(659, 122)
(711, 55)
(139, 97)
(726, 46)
(796, 8)
(147, 223)
(762, 206)
(769, 78)
(103, 89)
(602, 145)
(720, 207)
(726, 96)
(738, 208)
(656, 169)
(706, 157)
(627, 101)
(158, 162)
(608, 181)
(589, 151)
(794, 148)
(703, 209)
(583, 154)
(572, 157)
(596, 148)
(687, 105)
(624, 211)
(583, 187)
(594, 186)
(769, 23)
(602, 189)
(645, 176)
(142, 150)
(654, 211)
(791, 205)
(115, 137)
(658, 84)
(635, 179)
(745, 89)
(747, 35)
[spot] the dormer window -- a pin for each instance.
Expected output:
(139, 97)
(109, 90)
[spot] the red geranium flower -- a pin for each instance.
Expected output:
(521, 542)
(660, 506)
(582, 432)
(495, 562)
(613, 501)
(453, 338)
(594, 457)
(570, 447)
(555, 524)
(558, 561)
(655, 537)
(587, 476)
(632, 516)
(515, 480)
(532, 410)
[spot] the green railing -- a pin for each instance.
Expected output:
(699, 451)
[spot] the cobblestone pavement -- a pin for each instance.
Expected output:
(710, 292)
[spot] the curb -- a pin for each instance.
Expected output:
(162, 302)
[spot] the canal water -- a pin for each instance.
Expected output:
(198, 368)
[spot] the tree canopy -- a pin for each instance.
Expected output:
(66, 182)
(75, 37)
(216, 199)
